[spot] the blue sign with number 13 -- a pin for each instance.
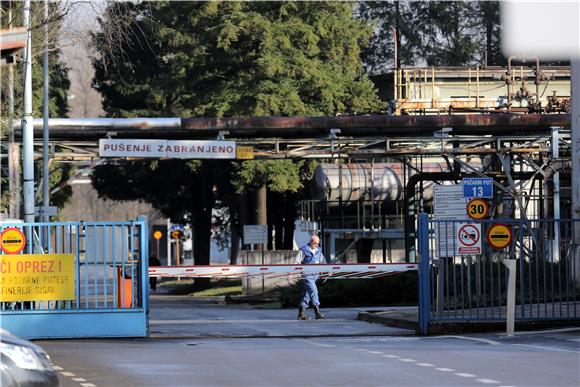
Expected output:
(478, 187)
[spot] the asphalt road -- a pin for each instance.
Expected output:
(203, 344)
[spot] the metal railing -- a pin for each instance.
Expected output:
(359, 214)
(468, 286)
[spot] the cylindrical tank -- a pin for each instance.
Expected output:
(365, 181)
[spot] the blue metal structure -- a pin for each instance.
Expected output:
(463, 288)
(111, 288)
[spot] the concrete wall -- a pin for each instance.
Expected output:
(255, 286)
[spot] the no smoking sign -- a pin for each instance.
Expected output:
(469, 239)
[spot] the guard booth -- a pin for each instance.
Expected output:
(74, 279)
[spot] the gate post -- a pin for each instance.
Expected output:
(144, 273)
(424, 275)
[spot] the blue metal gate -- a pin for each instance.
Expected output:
(472, 287)
(110, 281)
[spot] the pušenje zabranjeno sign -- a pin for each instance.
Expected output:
(185, 149)
(37, 277)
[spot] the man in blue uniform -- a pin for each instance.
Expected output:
(309, 254)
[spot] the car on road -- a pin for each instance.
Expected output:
(23, 363)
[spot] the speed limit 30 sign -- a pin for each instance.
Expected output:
(478, 208)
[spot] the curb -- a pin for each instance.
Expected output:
(400, 320)
(396, 321)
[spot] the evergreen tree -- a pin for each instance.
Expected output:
(397, 25)
(433, 33)
(223, 59)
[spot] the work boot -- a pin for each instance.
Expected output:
(302, 314)
(319, 316)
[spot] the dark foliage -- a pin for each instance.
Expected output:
(400, 289)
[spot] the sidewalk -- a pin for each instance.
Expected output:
(184, 316)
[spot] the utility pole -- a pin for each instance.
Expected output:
(27, 128)
(13, 148)
(45, 116)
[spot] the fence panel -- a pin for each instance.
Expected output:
(110, 266)
(468, 286)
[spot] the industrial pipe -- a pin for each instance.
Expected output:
(300, 127)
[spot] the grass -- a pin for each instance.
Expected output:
(218, 288)
(216, 292)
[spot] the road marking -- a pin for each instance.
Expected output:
(487, 341)
(359, 349)
(465, 375)
(461, 374)
(376, 352)
(547, 348)
(488, 381)
(322, 345)
(72, 376)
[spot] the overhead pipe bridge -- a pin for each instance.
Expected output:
(92, 129)
(367, 136)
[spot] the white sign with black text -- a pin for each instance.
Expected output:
(449, 207)
(173, 149)
(255, 234)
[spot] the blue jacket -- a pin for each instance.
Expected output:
(309, 257)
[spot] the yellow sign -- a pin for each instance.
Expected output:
(12, 240)
(478, 208)
(499, 236)
(37, 277)
(157, 234)
(244, 152)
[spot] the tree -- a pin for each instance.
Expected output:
(11, 14)
(452, 39)
(436, 33)
(227, 59)
(394, 21)
(489, 11)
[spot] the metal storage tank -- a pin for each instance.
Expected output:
(365, 181)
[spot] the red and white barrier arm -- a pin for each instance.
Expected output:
(326, 271)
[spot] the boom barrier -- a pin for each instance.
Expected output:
(326, 271)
